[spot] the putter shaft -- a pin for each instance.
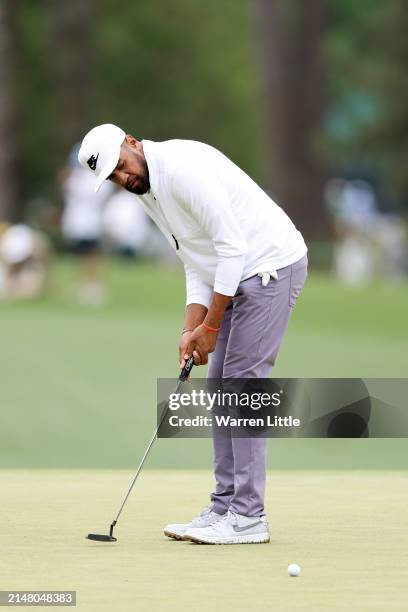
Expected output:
(183, 376)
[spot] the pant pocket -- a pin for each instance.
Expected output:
(297, 280)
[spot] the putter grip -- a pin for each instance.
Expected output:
(185, 372)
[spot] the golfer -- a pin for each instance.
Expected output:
(245, 265)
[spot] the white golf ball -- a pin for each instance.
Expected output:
(294, 569)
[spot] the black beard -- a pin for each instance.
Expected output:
(143, 184)
(140, 189)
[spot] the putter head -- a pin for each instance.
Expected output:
(97, 537)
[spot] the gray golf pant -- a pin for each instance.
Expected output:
(247, 347)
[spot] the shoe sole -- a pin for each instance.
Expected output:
(256, 538)
(174, 536)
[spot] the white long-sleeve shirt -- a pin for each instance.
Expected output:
(224, 227)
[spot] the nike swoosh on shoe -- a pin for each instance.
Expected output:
(239, 529)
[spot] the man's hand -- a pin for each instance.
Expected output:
(200, 343)
(184, 341)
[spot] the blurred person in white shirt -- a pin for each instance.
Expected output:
(125, 224)
(369, 244)
(81, 226)
(24, 259)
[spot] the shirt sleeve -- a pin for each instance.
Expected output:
(202, 194)
(198, 292)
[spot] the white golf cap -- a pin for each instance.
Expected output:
(100, 151)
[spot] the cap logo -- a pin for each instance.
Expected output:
(92, 161)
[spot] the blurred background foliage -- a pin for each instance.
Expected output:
(291, 90)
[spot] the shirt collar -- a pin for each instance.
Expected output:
(152, 160)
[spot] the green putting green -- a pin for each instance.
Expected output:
(345, 529)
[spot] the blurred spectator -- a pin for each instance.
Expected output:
(125, 224)
(24, 258)
(369, 243)
(82, 226)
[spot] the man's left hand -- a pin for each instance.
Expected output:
(201, 343)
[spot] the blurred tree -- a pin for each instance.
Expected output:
(9, 191)
(72, 53)
(159, 69)
(383, 42)
(181, 70)
(37, 134)
(367, 128)
(292, 34)
(188, 69)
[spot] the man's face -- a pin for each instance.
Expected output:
(131, 171)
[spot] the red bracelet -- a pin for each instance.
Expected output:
(210, 329)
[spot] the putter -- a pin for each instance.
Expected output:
(98, 537)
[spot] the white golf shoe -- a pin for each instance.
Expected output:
(204, 519)
(233, 528)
